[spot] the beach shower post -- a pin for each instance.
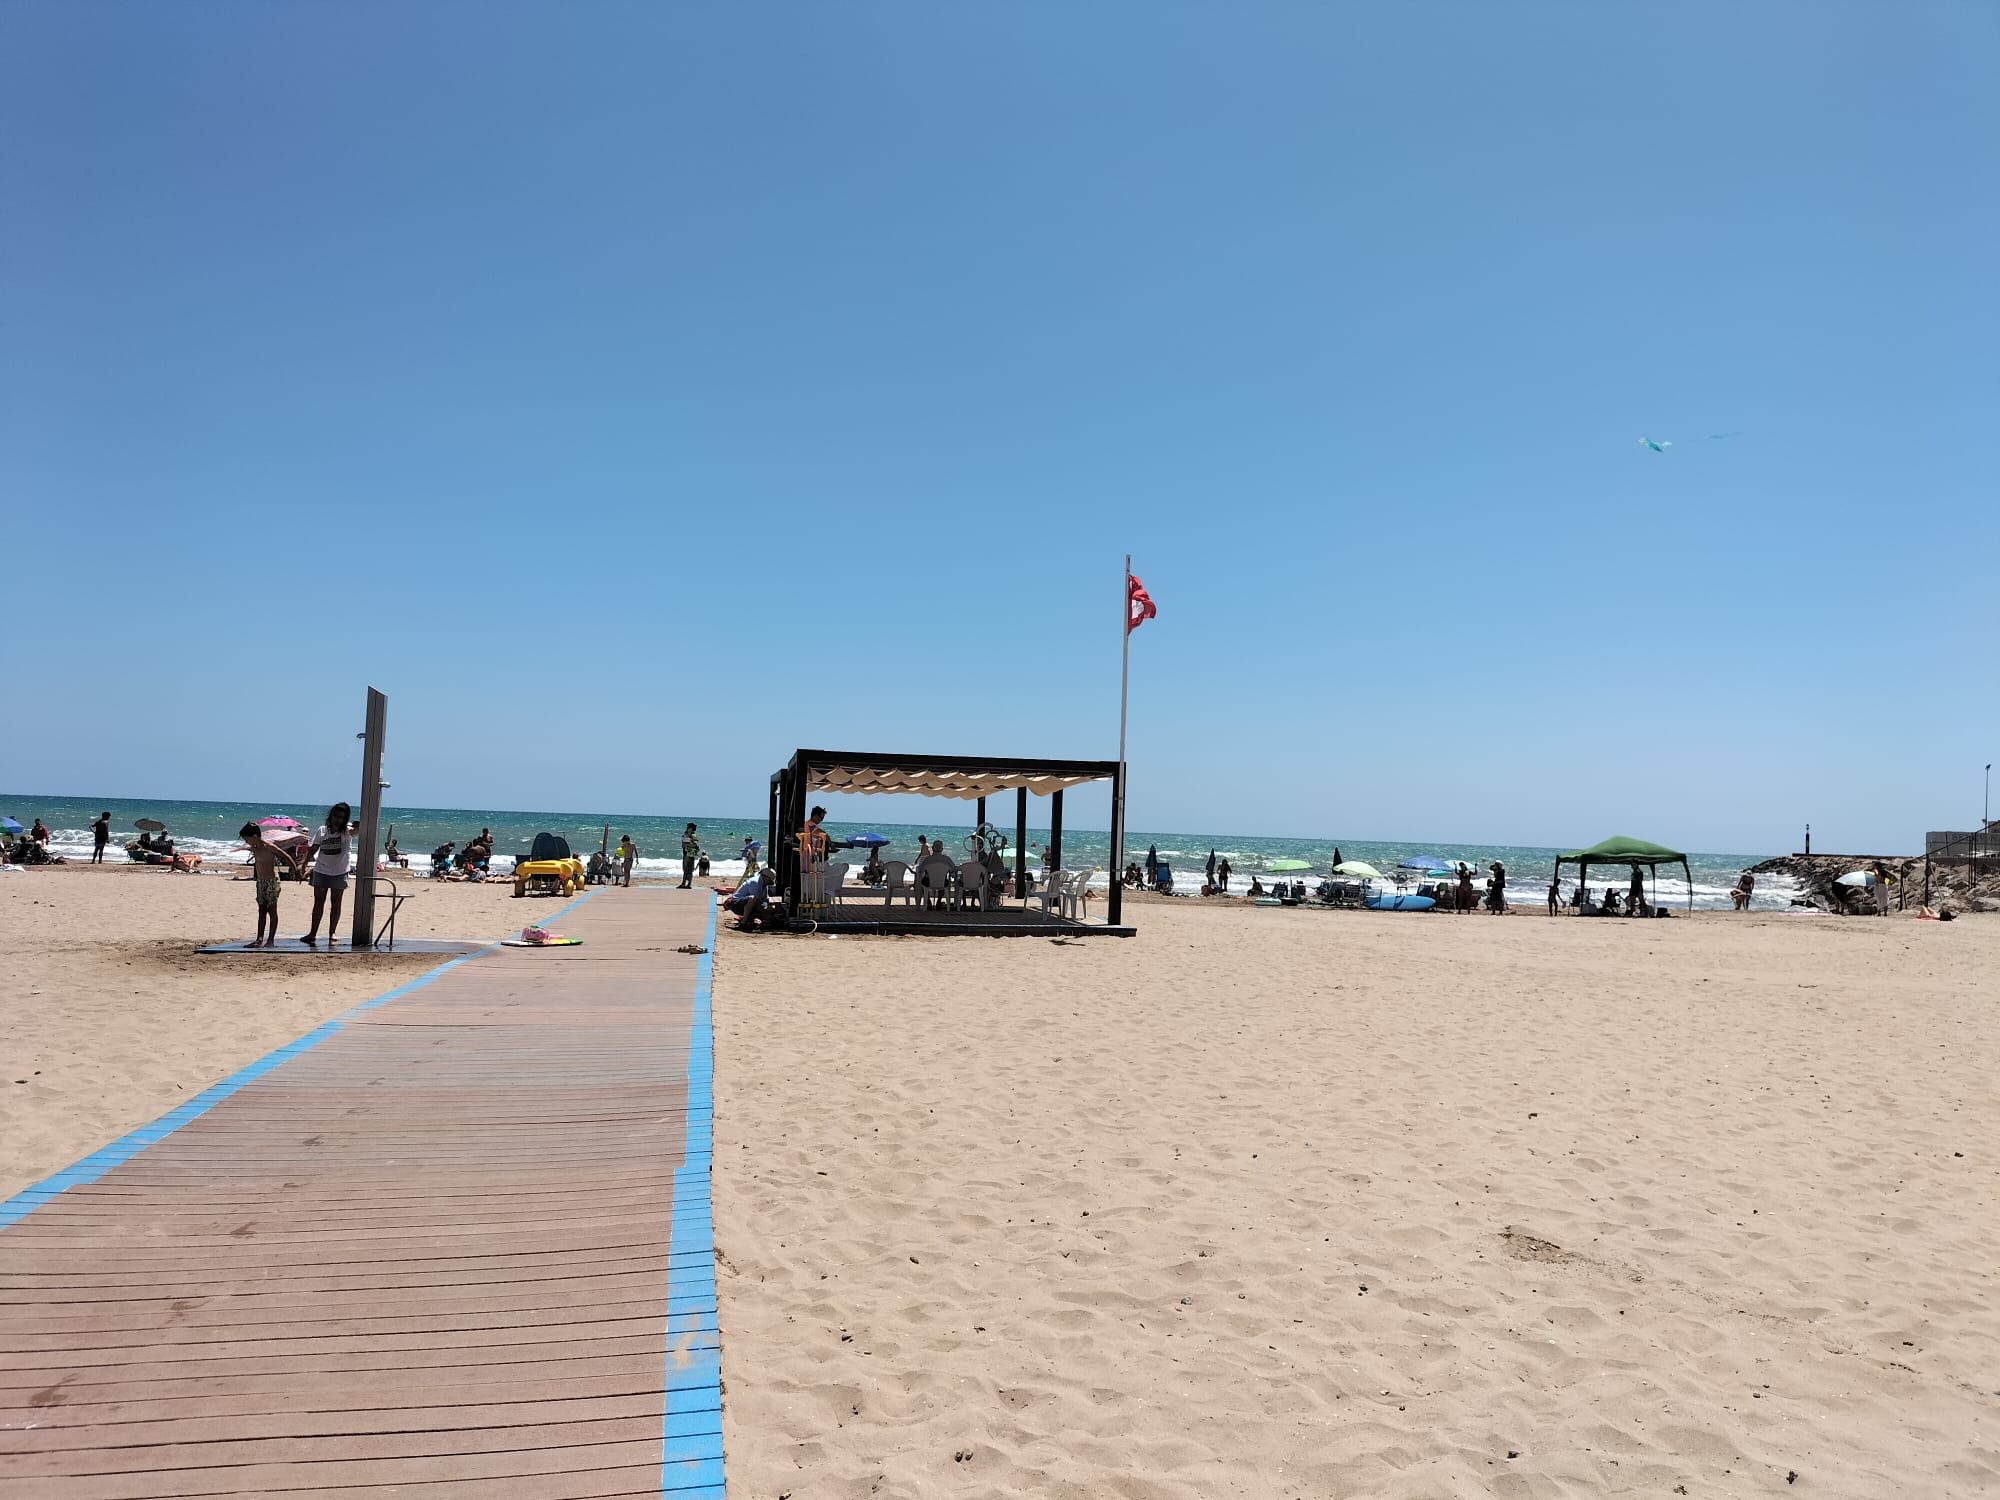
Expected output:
(1112, 912)
(376, 728)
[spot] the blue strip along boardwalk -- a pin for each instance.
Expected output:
(456, 1243)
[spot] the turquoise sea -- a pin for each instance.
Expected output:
(209, 828)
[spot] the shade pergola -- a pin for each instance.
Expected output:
(1621, 850)
(967, 778)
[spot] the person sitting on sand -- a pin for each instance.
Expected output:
(1256, 887)
(441, 860)
(1746, 883)
(1610, 902)
(873, 873)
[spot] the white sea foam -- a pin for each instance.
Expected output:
(1527, 885)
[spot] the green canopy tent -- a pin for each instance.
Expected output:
(1618, 850)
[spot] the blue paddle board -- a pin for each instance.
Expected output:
(1399, 901)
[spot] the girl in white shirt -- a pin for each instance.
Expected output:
(332, 849)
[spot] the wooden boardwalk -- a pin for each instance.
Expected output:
(456, 1244)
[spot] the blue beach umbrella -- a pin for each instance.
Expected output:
(866, 841)
(10, 825)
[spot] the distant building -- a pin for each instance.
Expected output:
(1968, 846)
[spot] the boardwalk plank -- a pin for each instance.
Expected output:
(433, 1254)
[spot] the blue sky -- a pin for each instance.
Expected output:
(635, 392)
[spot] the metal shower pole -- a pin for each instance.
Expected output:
(372, 735)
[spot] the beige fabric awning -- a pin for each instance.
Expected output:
(966, 783)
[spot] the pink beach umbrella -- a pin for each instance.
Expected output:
(278, 821)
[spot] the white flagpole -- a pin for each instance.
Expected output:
(1124, 685)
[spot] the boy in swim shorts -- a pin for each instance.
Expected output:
(264, 859)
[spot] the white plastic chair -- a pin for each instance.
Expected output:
(834, 877)
(933, 881)
(1047, 891)
(1075, 883)
(896, 882)
(972, 884)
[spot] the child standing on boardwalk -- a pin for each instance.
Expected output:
(264, 859)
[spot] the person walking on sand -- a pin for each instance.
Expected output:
(690, 852)
(264, 860)
(100, 835)
(1496, 889)
(1464, 899)
(1211, 869)
(1222, 873)
(627, 852)
(1883, 880)
(332, 848)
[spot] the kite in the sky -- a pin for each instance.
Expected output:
(1657, 447)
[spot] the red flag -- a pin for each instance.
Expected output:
(1139, 606)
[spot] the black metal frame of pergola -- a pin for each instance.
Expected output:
(969, 778)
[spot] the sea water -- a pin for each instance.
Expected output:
(209, 829)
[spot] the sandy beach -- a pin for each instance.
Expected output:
(1258, 1203)
(1283, 1203)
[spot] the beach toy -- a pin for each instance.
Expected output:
(550, 865)
(538, 937)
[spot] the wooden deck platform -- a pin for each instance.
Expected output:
(456, 1243)
(870, 917)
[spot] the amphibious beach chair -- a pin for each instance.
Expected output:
(549, 868)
